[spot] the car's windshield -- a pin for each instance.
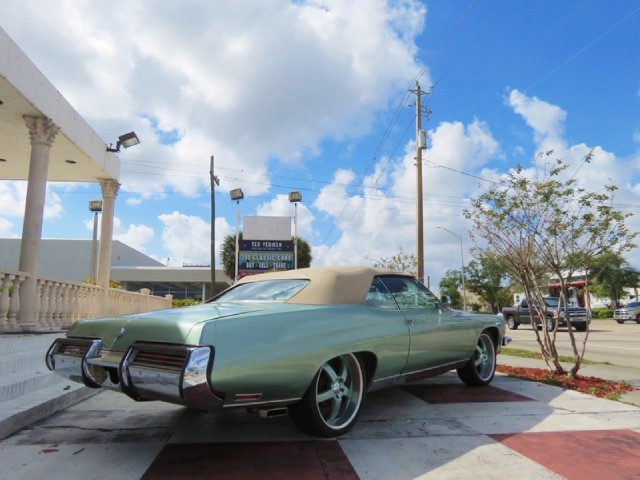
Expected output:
(268, 290)
(552, 302)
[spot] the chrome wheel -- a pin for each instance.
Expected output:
(332, 404)
(481, 367)
(511, 323)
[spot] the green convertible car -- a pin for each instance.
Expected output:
(310, 342)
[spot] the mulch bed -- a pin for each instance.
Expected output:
(591, 385)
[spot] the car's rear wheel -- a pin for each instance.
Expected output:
(511, 323)
(638, 318)
(332, 403)
(481, 367)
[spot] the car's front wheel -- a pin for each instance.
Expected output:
(481, 367)
(620, 321)
(332, 403)
(511, 323)
(638, 318)
(550, 324)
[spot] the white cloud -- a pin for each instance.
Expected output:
(187, 238)
(13, 195)
(281, 207)
(250, 82)
(135, 236)
(546, 120)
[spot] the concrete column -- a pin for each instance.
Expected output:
(109, 192)
(42, 132)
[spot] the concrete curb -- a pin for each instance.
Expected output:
(23, 412)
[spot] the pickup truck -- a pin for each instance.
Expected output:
(521, 314)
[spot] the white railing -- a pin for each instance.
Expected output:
(61, 303)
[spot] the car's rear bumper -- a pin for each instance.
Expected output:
(146, 371)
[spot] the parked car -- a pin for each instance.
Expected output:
(630, 312)
(311, 342)
(554, 315)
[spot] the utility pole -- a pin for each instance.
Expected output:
(420, 145)
(214, 182)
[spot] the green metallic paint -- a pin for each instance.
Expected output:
(275, 349)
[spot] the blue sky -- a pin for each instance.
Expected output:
(312, 96)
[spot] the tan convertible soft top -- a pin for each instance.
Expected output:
(328, 285)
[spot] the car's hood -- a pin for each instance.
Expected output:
(177, 325)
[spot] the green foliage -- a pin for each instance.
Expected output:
(400, 262)
(229, 254)
(540, 223)
(184, 302)
(450, 286)
(486, 278)
(602, 312)
(612, 275)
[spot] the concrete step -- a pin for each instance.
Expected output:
(29, 409)
(29, 392)
(16, 343)
(24, 361)
(25, 383)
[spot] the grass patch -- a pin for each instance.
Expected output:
(519, 352)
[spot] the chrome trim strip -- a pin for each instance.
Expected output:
(74, 366)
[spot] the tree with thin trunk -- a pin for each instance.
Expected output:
(400, 262)
(541, 223)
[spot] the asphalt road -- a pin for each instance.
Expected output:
(607, 341)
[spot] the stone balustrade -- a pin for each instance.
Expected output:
(61, 303)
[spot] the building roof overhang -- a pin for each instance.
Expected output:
(78, 154)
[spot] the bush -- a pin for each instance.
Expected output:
(184, 302)
(602, 312)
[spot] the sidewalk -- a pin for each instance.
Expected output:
(435, 428)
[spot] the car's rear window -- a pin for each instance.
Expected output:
(266, 291)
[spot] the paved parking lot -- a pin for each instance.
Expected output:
(608, 341)
(436, 428)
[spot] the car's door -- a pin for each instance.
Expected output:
(524, 315)
(438, 336)
(391, 330)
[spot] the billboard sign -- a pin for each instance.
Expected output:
(259, 256)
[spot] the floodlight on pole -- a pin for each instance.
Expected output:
(127, 140)
(295, 197)
(236, 195)
(95, 206)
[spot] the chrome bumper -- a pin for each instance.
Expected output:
(147, 371)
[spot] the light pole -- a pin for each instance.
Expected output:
(95, 206)
(464, 290)
(295, 197)
(236, 195)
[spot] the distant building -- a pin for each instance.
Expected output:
(71, 260)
